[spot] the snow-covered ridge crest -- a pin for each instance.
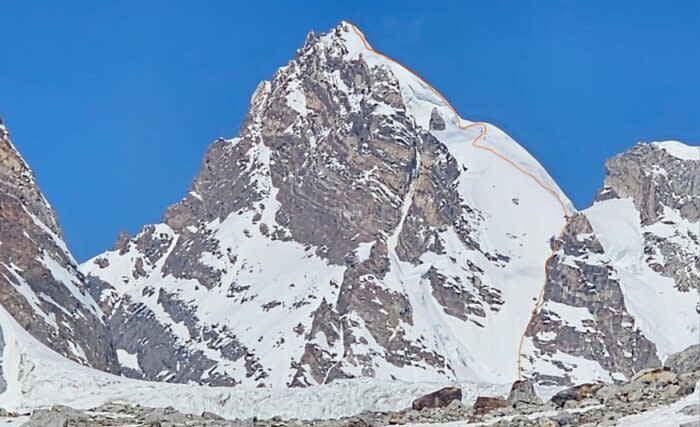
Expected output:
(423, 102)
(680, 150)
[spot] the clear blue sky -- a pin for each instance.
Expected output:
(114, 105)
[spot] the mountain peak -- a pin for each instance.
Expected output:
(334, 212)
(344, 41)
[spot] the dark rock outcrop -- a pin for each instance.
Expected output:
(483, 404)
(438, 399)
(3, 382)
(685, 361)
(576, 393)
(523, 393)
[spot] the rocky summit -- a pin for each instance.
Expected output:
(353, 236)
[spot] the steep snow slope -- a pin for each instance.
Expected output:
(680, 150)
(350, 230)
(38, 377)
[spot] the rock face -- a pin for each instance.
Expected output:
(439, 399)
(484, 405)
(523, 393)
(40, 285)
(584, 314)
(3, 382)
(685, 361)
(577, 393)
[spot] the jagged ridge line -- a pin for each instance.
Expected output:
(482, 136)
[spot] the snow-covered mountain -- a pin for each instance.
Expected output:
(40, 285)
(352, 229)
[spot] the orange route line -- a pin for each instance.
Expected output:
(475, 144)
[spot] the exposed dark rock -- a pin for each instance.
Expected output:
(438, 399)
(57, 416)
(655, 375)
(576, 393)
(436, 120)
(3, 382)
(523, 393)
(122, 243)
(484, 404)
(685, 361)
